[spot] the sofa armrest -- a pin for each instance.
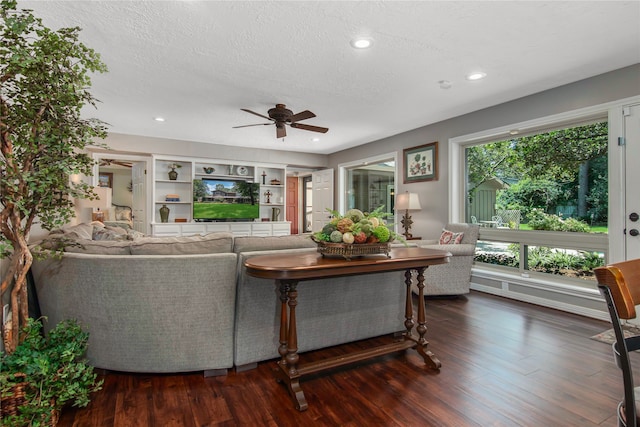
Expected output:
(455, 250)
(422, 243)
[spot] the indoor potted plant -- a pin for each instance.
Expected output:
(43, 375)
(44, 77)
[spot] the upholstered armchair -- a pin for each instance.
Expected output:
(454, 277)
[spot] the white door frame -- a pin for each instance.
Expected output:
(322, 194)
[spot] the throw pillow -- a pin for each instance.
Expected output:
(107, 234)
(133, 234)
(450, 238)
(123, 213)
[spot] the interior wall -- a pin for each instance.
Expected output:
(147, 145)
(434, 195)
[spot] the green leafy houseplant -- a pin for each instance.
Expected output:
(43, 87)
(55, 373)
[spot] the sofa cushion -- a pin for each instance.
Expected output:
(99, 247)
(251, 243)
(191, 245)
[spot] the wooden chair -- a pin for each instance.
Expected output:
(619, 283)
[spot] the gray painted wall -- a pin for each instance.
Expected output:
(434, 196)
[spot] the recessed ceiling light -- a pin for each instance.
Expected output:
(444, 84)
(159, 119)
(362, 42)
(476, 75)
(316, 139)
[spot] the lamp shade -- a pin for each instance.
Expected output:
(408, 201)
(102, 202)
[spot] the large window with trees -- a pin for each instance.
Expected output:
(551, 181)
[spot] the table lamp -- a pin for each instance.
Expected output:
(103, 201)
(407, 202)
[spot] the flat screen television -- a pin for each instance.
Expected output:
(221, 199)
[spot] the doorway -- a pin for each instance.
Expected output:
(128, 180)
(369, 185)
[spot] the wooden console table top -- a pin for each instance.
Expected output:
(313, 265)
(289, 270)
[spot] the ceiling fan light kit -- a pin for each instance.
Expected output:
(281, 116)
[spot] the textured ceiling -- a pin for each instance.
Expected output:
(197, 63)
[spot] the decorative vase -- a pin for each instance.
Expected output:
(164, 213)
(275, 214)
(173, 175)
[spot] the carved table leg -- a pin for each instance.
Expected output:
(408, 304)
(289, 344)
(429, 358)
(282, 350)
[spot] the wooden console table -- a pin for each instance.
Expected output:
(288, 270)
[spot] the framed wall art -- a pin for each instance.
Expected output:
(105, 179)
(421, 163)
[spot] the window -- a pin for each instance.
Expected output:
(551, 181)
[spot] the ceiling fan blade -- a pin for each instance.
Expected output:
(246, 126)
(257, 114)
(303, 115)
(309, 127)
(281, 131)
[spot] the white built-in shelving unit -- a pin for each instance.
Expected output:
(177, 195)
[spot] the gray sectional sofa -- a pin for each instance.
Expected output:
(179, 304)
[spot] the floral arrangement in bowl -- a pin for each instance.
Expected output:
(357, 227)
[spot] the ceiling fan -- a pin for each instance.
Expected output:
(111, 162)
(282, 116)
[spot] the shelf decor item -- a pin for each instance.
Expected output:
(275, 214)
(164, 214)
(264, 177)
(173, 174)
(355, 234)
(208, 170)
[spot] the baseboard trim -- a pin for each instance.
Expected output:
(572, 299)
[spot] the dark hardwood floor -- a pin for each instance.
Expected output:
(504, 363)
